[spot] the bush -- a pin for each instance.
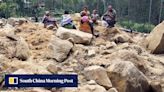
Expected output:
(6, 10)
(139, 27)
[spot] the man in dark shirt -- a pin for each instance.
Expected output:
(110, 16)
(48, 20)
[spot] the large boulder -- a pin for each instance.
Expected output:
(129, 55)
(76, 17)
(121, 38)
(22, 49)
(98, 74)
(127, 78)
(115, 34)
(7, 46)
(79, 37)
(58, 49)
(155, 41)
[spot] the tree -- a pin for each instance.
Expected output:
(150, 10)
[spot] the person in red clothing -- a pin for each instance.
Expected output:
(85, 24)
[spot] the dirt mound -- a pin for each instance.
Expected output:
(24, 48)
(36, 36)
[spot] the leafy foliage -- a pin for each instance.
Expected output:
(6, 9)
(137, 11)
(140, 27)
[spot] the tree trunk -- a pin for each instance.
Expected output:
(160, 13)
(150, 10)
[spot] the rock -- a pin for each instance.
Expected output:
(59, 49)
(129, 55)
(127, 78)
(11, 35)
(98, 74)
(111, 31)
(91, 88)
(2, 77)
(2, 33)
(79, 37)
(155, 41)
(2, 20)
(120, 38)
(156, 87)
(100, 28)
(76, 17)
(110, 45)
(7, 47)
(16, 21)
(106, 52)
(22, 71)
(8, 29)
(3, 66)
(91, 82)
(100, 41)
(112, 90)
(91, 53)
(22, 50)
(1, 23)
(137, 48)
(116, 35)
(53, 69)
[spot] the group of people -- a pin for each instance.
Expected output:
(87, 20)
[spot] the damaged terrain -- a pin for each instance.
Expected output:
(116, 61)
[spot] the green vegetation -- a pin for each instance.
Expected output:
(6, 9)
(140, 27)
(140, 13)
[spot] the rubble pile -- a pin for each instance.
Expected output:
(112, 62)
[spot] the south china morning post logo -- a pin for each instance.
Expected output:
(41, 80)
(13, 80)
